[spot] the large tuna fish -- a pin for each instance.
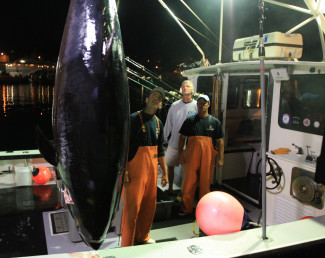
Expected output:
(91, 116)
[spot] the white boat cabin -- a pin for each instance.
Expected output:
(295, 103)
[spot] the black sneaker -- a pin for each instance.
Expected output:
(170, 192)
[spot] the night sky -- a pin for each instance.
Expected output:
(35, 27)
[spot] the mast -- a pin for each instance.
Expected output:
(261, 54)
(221, 31)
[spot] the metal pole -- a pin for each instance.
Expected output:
(262, 79)
(182, 27)
(221, 31)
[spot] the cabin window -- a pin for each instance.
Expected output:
(252, 96)
(302, 104)
(243, 119)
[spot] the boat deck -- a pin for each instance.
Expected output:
(34, 223)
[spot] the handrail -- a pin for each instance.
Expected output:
(153, 75)
(130, 71)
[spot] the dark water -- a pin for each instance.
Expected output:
(22, 108)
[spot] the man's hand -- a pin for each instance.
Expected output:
(181, 158)
(163, 166)
(181, 143)
(220, 147)
(219, 163)
(164, 179)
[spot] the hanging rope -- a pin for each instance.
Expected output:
(197, 32)
(200, 20)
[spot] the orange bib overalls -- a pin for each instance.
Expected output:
(140, 194)
(199, 163)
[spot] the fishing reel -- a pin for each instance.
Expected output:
(272, 170)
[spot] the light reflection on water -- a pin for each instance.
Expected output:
(22, 108)
(25, 95)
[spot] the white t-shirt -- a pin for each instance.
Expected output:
(177, 114)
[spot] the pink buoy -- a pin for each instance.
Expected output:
(219, 213)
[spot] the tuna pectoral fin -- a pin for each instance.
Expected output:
(46, 147)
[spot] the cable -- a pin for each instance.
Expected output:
(198, 32)
(196, 234)
(196, 16)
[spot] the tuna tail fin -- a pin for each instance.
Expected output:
(46, 147)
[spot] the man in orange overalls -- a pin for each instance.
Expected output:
(145, 151)
(205, 141)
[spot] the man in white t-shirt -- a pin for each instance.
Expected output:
(178, 112)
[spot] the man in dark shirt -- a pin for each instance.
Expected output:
(145, 151)
(205, 142)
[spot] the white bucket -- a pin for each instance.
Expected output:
(23, 175)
